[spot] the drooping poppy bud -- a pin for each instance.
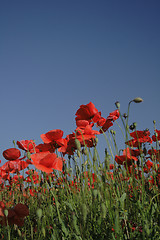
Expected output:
(138, 100)
(117, 104)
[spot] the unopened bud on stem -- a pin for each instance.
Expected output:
(137, 100)
(78, 144)
(117, 104)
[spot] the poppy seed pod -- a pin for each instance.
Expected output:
(138, 100)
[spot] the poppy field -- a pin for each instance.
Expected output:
(62, 189)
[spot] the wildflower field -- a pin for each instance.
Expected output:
(61, 189)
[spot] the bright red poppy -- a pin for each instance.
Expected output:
(47, 161)
(52, 136)
(109, 121)
(14, 166)
(27, 145)
(87, 112)
(113, 115)
(139, 137)
(106, 125)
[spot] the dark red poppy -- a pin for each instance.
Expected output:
(106, 125)
(156, 136)
(101, 121)
(27, 145)
(21, 210)
(16, 215)
(133, 152)
(140, 134)
(126, 157)
(2, 207)
(11, 154)
(47, 161)
(45, 147)
(148, 165)
(139, 137)
(155, 154)
(87, 112)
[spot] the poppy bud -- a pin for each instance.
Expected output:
(78, 153)
(103, 210)
(117, 104)
(19, 232)
(84, 151)
(44, 231)
(39, 213)
(133, 126)
(95, 193)
(94, 156)
(84, 211)
(78, 144)
(137, 100)
(125, 115)
(6, 212)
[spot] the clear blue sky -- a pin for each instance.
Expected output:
(57, 55)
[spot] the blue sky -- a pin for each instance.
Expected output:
(57, 55)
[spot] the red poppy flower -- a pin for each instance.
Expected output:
(108, 122)
(21, 210)
(126, 157)
(157, 136)
(133, 152)
(155, 154)
(45, 147)
(11, 154)
(148, 165)
(27, 145)
(47, 161)
(139, 137)
(63, 143)
(14, 166)
(16, 215)
(101, 121)
(113, 115)
(87, 112)
(106, 125)
(140, 134)
(52, 136)
(82, 123)
(2, 207)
